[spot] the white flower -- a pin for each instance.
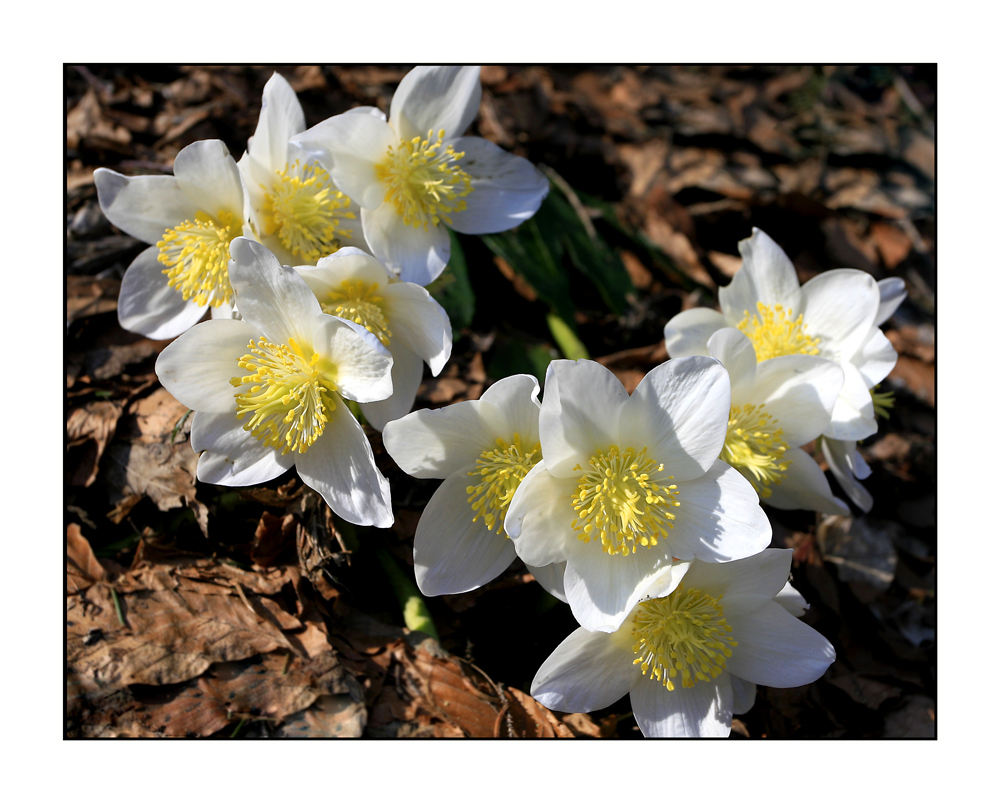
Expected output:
(416, 172)
(191, 217)
(482, 449)
(407, 321)
(690, 659)
(832, 315)
(842, 455)
(300, 215)
(777, 406)
(267, 390)
(628, 484)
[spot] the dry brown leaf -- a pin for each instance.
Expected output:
(88, 295)
(82, 567)
(88, 431)
(525, 717)
(87, 123)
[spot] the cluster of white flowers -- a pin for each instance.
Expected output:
(642, 512)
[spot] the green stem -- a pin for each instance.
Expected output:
(355, 409)
(415, 613)
(569, 344)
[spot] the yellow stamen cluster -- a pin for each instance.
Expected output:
(197, 257)
(683, 634)
(754, 446)
(500, 471)
(304, 209)
(423, 181)
(292, 391)
(774, 333)
(359, 302)
(618, 501)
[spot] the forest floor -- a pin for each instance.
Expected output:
(194, 609)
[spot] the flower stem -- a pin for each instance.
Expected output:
(415, 613)
(355, 409)
(569, 344)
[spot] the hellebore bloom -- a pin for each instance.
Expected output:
(268, 390)
(299, 214)
(832, 315)
(628, 484)
(191, 217)
(691, 658)
(777, 406)
(482, 449)
(846, 465)
(416, 173)
(407, 321)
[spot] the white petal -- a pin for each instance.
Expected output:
(151, 307)
(744, 694)
(602, 589)
(799, 392)
(705, 709)
(550, 577)
(840, 457)
(363, 363)
(891, 294)
(762, 575)
(347, 264)
(341, 466)
(419, 322)
(587, 671)
(271, 297)
(374, 111)
(766, 275)
(281, 116)
(432, 98)
(736, 353)
(776, 649)
(418, 255)
(688, 332)
(680, 410)
(196, 368)
(208, 176)
(451, 552)
(517, 398)
(839, 307)
(719, 519)
(854, 413)
(804, 487)
(791, 600)
(142, 206)
(876, 358)
(435, 443)
(349, 146)
(233, 457)
(506, 189)
(407, 371)
(579, 415)
(539, 518)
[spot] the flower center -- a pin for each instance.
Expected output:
(424, 181)
(618, 501)
(774, 333)
(681, 634)
(304, 209)
(500, 471)
(358, 302)
(754, 446)
(197, 257)
(292, 390)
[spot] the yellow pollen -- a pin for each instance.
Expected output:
(683, 634)
(305, 210)
(197, 257)
(620, 501)
(423, 181)
(500, 471)
(359, 302)
(754, 446)
(292, 391)
(775, 334)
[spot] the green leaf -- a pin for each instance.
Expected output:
(453, 291)
(514, 356)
